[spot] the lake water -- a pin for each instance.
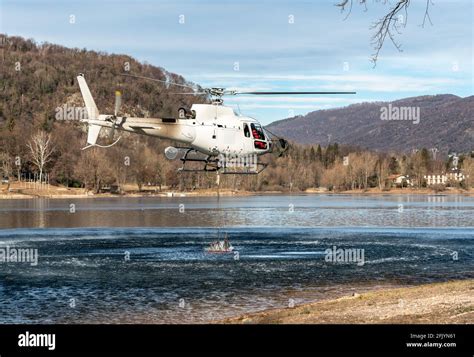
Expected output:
(117, 260)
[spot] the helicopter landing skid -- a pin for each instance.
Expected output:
(212, 164)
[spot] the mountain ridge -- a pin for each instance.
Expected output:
(446, 123)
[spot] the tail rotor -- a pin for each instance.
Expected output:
(95, 121)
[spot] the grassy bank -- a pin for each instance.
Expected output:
(439, 303)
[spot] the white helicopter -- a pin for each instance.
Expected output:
(212, 134)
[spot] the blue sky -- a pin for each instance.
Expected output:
(319, 51)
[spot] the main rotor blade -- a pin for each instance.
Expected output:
(291, 93)
(156, 80)
(187, 93)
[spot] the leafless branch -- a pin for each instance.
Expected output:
(343, 4)
(389, 25)
(427, 13)
(385, 27)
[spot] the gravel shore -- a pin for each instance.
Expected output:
(438, 303)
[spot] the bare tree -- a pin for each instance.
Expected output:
(420, 167)
(382, 171)
(41, 150)
(353, 169)
(94, 170)
(5, 164)
(5, 167)
(369, 161)
(468, 170)
(390, 24)
(144, 166)
(334, 177)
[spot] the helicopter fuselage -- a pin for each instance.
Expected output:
(225, 139)
(212, 130)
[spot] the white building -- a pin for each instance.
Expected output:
(443, 179)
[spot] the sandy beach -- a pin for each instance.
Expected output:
(438, 303)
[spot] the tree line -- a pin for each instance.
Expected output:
(140, 161)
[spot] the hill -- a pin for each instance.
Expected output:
(446, 122)
(37, 78)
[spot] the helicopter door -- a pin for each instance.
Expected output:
(226, 138)
(247, 142)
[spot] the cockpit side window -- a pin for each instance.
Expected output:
(257, 132)
(246, 130)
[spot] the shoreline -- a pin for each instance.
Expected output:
(434, 303)
(57, 192)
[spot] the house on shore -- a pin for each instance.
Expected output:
(399, 180)
(454, 176)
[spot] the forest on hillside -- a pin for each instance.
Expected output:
(444, 122)
(36, 79)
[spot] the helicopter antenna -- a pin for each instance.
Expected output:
(238, 107)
